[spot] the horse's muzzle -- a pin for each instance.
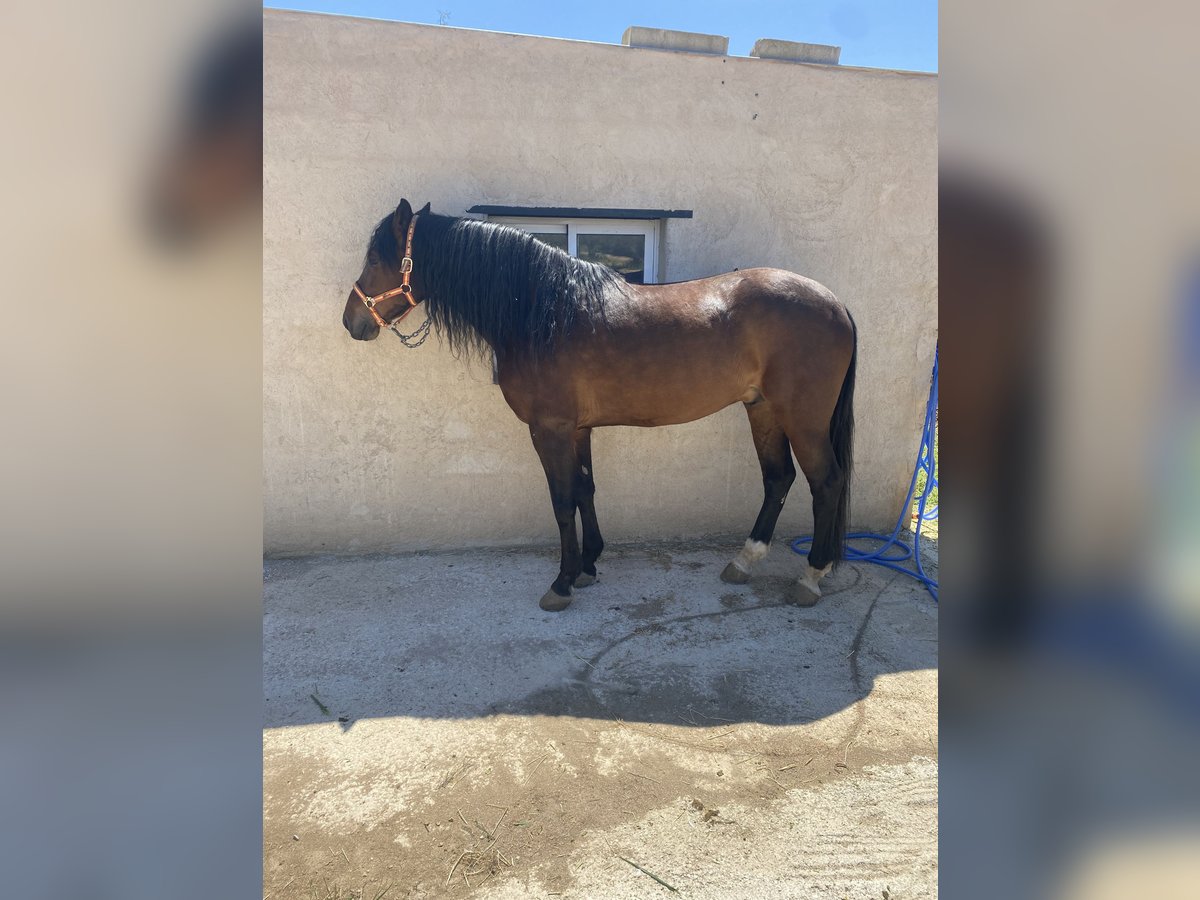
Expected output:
(365, 330)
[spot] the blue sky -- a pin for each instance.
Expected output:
(891, 34)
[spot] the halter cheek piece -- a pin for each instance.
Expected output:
(404, 290)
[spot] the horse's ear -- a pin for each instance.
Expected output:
(423, 210)
(401, 219)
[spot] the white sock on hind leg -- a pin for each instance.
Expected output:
(751, 552)
(811, 578)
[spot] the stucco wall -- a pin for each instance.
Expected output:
(827, 171)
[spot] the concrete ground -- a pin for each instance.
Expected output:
(430, 732)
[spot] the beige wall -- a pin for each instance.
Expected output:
(827, 171)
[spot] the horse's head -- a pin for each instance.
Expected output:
(382, 293)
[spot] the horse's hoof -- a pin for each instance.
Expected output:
(553, 602)
(805, 595)
(734, 575)
(585, 580)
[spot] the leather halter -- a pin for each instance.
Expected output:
(405, 288)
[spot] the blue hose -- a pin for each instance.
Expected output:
(892, 551)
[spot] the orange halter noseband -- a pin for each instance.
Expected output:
(405, 289)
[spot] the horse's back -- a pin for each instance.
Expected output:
(759, 313)
(788, 293)
(728, 298)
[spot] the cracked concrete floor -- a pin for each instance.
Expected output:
(430, 732)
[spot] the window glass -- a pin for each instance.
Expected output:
(624, 252)
(554, 239)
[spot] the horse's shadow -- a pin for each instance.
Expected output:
(659, 639)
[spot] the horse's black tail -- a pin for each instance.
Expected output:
(841, 436)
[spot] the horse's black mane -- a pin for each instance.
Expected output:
(491, 286)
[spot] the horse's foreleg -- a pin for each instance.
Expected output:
(585, 496)
(556, 448)
(778, 472)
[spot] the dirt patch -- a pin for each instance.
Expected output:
(733, 601)
(661, 558)
(484, 821)
(653, 608)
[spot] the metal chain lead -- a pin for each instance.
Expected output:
(422, 330)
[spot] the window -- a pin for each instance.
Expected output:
(630, 246)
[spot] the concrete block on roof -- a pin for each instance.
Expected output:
(684, 41)
(794, 51)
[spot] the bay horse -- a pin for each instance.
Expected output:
(577, 347)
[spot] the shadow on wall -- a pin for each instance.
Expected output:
(659, 639)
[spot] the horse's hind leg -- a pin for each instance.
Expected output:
(585, 496)
(557, 449)
(775, 459)
(814, 452)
